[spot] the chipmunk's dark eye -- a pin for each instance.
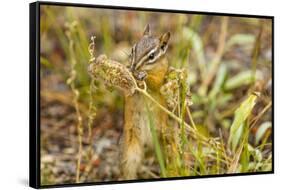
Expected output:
(151, 56)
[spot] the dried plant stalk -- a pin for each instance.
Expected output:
(71, 82)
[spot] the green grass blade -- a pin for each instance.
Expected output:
(156, 143)
(243, 78)
(241, 114)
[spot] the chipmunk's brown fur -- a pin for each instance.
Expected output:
(148, 63)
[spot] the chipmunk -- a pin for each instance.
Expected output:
(147, 63)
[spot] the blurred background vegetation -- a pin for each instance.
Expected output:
(229, 62)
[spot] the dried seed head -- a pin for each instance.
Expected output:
(113, 73)
(170, 91)
(176, 80)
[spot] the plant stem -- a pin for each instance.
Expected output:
(190, 118)
(71, 83)
(194, 132)
(172, 115)
(162, 107)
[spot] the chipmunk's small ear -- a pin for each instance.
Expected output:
(146, 30)
(164, 39)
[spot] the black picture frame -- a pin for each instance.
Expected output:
(34, 93)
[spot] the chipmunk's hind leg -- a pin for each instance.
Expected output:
(131, 157)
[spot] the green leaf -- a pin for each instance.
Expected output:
(236, 136)
(261, 130)
(256, 153)
(219, 81)
(192, 37)
(240, 39)
(156, 143)
(241, 114)
(243, 78)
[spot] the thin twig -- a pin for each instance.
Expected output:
(190, 118)
(217, 58)
(71, 83)
(255, 120)
(92, 108)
